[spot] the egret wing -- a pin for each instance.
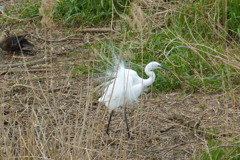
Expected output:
(113, 96)
(134, 86)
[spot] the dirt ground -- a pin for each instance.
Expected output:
(50, 111)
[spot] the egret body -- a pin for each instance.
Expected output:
(126, 87)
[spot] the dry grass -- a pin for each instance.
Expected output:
(46, 11)
(47, 113)
(51, 115)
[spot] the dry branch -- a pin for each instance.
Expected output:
(40, 61)
(96, 30)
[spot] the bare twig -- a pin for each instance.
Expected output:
(96, 30)
(40, 61)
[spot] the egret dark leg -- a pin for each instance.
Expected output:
(125, 116)
(109, 121)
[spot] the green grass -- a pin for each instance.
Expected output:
(26, 9)
(75, 13)
(216, 150)
(230, 16)
(88, 12)
(192, 44)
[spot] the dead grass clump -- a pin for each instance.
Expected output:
(138, 18)
(46, 11)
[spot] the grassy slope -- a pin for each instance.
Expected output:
(192, 43)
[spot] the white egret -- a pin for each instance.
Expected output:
(126, 87)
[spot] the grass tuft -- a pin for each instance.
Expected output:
(216, 150)
(89, 12)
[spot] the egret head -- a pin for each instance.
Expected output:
(155, 65)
